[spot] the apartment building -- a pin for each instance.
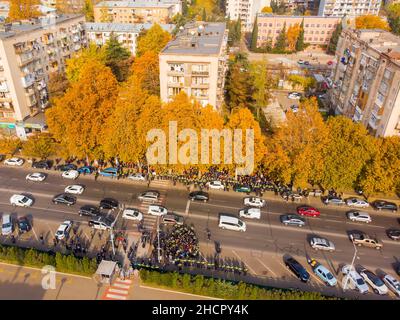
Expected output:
(196, 62)
(245, 10)
(126, 33)
(366, 80)
(141, 11)
(354, 8)
(317, 30)
(29, 52)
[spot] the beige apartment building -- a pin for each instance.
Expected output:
(29, 52)
(366, 80)
(195, 62)
(143, 11)
(317, 30)
(354, 8)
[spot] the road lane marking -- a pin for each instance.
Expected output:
(118, 291)
(262, 263)
(115, 296)
(33, 230)
(247, 264)
(187, 207)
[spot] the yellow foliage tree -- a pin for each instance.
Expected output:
(40, 145)
(371, 22)
(266, 10)
(154, 39)
(9, 144)
(23, 9)
(292, 35)
(146, 69)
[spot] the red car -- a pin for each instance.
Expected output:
(308, 211)
(329, 63)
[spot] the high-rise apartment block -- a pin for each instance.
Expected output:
(340, 8)
(366, 80)
(29, 52)
(196, 62)
(245, 10)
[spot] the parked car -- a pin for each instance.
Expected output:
(377, 285)
(356, 282)
(14, 162)
(23, 225)
(251, 213)
(42, 164)
(172, 218)
(334, 200)
(63, 230)
(157, 210)
(216, 185)
(329, 63)
(323, 273)
(74, 189)
(64, 198)
(20, 200)
(322, 244)
(308, 211)
(36, 176)
(241, 188)
(298, 270)
(109, 172)
(300, 62)
(70, 174)
(392, 283)
(254, 202)
(360, 238)
(306, 63)
(109, 203)
(294, 95)
(359, 216)
(132, 214)
(66, 167)
(384, 205)
(89, 210)
(294, 108)
(357, 203)
(199, 196)
(7, 226)
(292, 220)
(231, 223)
(393, 234)
(149, 196)
(137, 177)
(86, 170)
(101, 223)
(315, 192)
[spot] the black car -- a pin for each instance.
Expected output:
(64, 198)
(24, 225)
(384, 205)
(393, 234)
(89, 210)
(199, 195)
(108, 203)
(2, 157)
(42, 164)
(66, 167)
(299, 271)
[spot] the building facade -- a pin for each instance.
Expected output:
(29, 52)
(339, 8)
(126, 33)
(317, 30)
(143, 11)
(196, 62)
(366, 80)
(245, 10)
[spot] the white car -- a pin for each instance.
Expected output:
(132, 214)
(377, 285)
(137, 177)
(216, 185)
(294, 95)
(70, 174)
(14, 162)
(252, 213)
(359, 216)
(20, 200)
(156, 210)
(355, 280)
(74, 189)
(322, 244)
(36, 176)
(63, 230)
(254, 202)
(392, 283)
(357, 203)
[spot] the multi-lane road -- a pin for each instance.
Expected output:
(267, 236)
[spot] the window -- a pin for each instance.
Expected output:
(388, 74)
(200, 68)
(176, 67)
(174, 91)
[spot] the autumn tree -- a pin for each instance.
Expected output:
(23, 9)
(393, 16)
(292, 36)
(234, 32)
(77, 119)
(88, 10)
(58, 84)
(117, 58)
(153, 39)
(262, 84)
(266, 10)
(371, 22)
(40, 145)
(9, 143)
(146, 68)
(346, 153)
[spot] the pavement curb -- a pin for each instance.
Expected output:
(179, 292)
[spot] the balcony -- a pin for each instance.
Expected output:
(27, 81)
(200, 73)
(175, 73)
(24, 61)
(200, 85)
(175, 84)
(29, 92)
(6, 99)
(373, 122)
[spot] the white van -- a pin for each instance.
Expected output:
(157, 210)
(231, 223)
(251, 213)
(7, 226)
(100, 224)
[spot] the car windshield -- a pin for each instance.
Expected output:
(360, 282)
(24, 199)
(7, 225)
(329, 276)
(240, 223)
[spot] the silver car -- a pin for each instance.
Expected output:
(359, 216)
(149, 196)
(322, 244)
(293, 220)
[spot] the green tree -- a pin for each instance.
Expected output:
(234, 32)
(254, 36)
(334, 39)
(116, 58)
(204, 15)
(88, 10)
(281, 41)
(154, 39)
(40, 145)
(262, 84)
(300, 39)
(393, 16)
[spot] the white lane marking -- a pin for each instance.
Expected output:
(262, 263)
(118, 291)
(247, 264)
(187, 207)
(34, 233)
(124, 281)
(120, 285)
(115, 296)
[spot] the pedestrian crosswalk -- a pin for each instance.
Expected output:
(149, 221)
(160, 184)
(119, 290)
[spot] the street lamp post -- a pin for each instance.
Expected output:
(351, 268)
(112, 231)
(158, 240)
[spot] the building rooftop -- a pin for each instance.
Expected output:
(382, 41)
(16, 28)
(136, 4)
(198, 38)
(124, 27)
